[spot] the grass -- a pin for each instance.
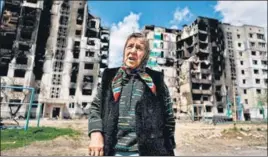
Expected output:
(14, 138)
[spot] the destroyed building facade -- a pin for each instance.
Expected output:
(58, 48)
(201, 66)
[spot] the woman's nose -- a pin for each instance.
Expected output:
(133, 49)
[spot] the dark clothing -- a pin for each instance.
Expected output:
(153, 114)
(132, 90)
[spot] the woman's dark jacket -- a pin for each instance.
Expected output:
(154, 125)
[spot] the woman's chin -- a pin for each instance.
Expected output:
(131, 66)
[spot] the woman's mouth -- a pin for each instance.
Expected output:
(132, 58)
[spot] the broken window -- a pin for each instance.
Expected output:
(88, 78)
(208, 108)
(258, 91)
(76, 45)
(242, 72)
(26, 34)
(64, 20)
(220, 109)
(93, 24)
(241, 62)
(75, 69)
(262, 45)
(19, 73)
(257, 81)
(264, 62)
(250, 35)
(78, 32)
(238, 36)
(22, 60)
(88, 66)
(255, 62)
(245, 91)
(253, 53)
(58, 66)
(62, 31)
(89, 54)
(84, 104)
(205, 98)
(239, 44)
(76, 54)
(260, 36)
(86, 92)
(252, 44)
(196, 97)
(217, 77)
(72, 91)
(256, 71)
(91, 42)
(79, 19)
(61, 42)
(92, 34)
(244, 81)
(60, 54)
(18, 89)
(14, 102)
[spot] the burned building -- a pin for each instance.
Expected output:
(19, 28)
(201, 67)
(58, 48)
(162, 43)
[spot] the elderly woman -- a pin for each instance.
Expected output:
(132, 111)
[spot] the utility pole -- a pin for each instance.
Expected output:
(234, 98)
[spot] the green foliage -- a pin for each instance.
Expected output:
(14, 138)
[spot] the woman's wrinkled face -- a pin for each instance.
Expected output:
(134, 52)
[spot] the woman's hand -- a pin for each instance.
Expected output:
(96, 144)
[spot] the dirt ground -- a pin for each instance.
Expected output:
(193, 139)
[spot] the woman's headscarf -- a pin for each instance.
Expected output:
(124, 71)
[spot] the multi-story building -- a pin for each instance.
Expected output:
(200, 48)
(20, 24)
(64, 67)
(246, 73)
(76, 49)
(162, 58)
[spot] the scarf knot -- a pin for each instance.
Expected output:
(122, 73)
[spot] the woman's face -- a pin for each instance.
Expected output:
(134, 52)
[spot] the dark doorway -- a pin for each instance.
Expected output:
(56, 112)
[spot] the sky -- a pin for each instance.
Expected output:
(124, 17)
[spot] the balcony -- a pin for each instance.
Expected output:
(201, 91)
(205, 81)
(19, 66)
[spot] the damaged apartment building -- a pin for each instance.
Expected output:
(246, 64)
(162, 43)
(201, 66)
(64, 50)
(19, 31)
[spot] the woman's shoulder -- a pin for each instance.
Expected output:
(156, 75)
(153, 72)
